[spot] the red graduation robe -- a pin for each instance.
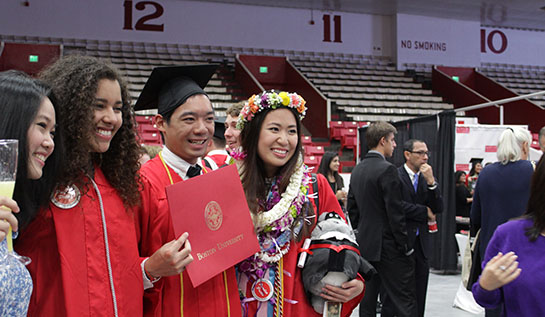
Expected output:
(294, 292)
(68, 251)
(220, 157)
(216, 297)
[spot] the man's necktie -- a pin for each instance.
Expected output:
(193, 171)
(415, 184)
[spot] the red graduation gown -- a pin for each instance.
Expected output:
(216, 297)
(69, 268)
(293, 283)
(218, 157)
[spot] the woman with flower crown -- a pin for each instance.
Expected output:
(279, 192)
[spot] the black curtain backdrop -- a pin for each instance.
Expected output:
(438, 132)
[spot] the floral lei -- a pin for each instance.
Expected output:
(271, 99)
(274, 225)
(238, 154)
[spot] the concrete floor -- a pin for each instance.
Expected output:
(441, 292)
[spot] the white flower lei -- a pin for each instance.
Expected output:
(265, 218)
(275, 258)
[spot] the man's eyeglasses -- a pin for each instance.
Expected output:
(421, 153)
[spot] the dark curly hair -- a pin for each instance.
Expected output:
(253, 174)
(74, 80)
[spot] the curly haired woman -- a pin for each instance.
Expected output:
(83, 246)
(278, 190)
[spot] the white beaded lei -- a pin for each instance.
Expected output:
(282, 207)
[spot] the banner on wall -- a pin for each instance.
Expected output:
(437, 41)
(200, 23)
(510, 46)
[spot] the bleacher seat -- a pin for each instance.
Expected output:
(535, 141)
(314, 150)
(143, 119)
(349, 132)
(335, 128)
(350, 124)
(151, 138)
(306, 140)
(312, 161)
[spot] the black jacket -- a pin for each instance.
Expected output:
(414, 207)
(374, 206)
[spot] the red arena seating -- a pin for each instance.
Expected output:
(306, 140)
(314, 150)
(151, 138)
(312, 161)
(335, 128)
(350, 124)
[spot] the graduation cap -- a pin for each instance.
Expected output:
(169, 87)
(475, 160)
(219, 129)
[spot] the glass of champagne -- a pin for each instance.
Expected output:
(8, 171)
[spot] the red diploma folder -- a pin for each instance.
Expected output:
(212, 208)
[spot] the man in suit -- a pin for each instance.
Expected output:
(421, 201)
(374, 204)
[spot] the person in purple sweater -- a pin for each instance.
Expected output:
(514, 274)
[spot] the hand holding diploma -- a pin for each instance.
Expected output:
(213, 209)
(171, 258)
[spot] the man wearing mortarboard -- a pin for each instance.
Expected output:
(185, 119)
(216, 155)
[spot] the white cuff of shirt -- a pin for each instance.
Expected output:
(147, 283)
(432, 187)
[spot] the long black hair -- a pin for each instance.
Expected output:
(253, 174)
(535, 209)
(20, 99)
(457, 175)
(324, 168)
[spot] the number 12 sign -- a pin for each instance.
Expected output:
(143, 22)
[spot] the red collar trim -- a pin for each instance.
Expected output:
(336, 248)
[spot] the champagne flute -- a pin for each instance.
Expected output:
(8, 171)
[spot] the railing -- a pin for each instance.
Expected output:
(499, 103)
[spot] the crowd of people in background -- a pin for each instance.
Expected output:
(91, 211)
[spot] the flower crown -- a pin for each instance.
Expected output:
(270, 99)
